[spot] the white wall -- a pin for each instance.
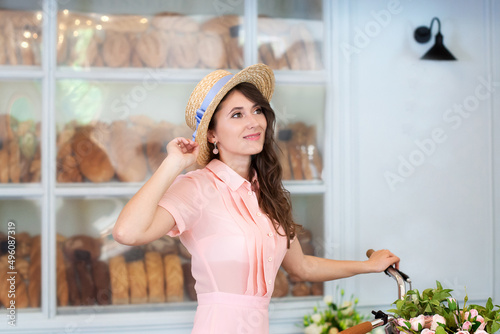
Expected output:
(421, 178)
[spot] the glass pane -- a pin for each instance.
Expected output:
(20, 253)
(166, 34)
(20, 132)
(98, 270)
(308, 212)
(290, 34)
(20, 33)
(300, 117)
(111, 132)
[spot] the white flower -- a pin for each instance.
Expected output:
(328, 300)
(347, 308)
(316, 317)
(313, 329)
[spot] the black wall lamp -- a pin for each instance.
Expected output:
(438, 51)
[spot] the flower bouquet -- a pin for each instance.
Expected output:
(435, 311)
(333, 318)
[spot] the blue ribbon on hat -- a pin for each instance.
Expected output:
(208, 99)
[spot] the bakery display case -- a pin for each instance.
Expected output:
(91, 116)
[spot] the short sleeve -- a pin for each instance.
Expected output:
(178, 200)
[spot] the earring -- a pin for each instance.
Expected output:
(215, 150)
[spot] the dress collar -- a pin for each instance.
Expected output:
(227, 175)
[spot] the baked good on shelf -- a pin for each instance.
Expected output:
(156, 144)
(78, 244)
(35, 272)
(3, 55)
(189, 281)
(211, 49)
(141, 124)
(116, 50)
(183, 48)
(73, 290)
(22, 267)
(10, 42)
(138, 282)
(23, 245)
(14, 161)
(317, 289)
(62, 282)
(118, 274)
(152, 49)
(156, 277)
(87, 287)
(300, 289)
(174, 277)
(91, 155)
(127, 153)
(281, 285)
(100, 274)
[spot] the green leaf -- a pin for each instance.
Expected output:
(440, 330)
(489, 304)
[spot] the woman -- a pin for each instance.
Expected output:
(233, 215)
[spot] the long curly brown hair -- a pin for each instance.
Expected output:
(273, 198)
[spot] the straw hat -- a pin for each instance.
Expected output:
(211, 90)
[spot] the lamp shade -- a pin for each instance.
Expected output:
(438, 50)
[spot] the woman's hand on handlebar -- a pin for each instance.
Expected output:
(382, 259)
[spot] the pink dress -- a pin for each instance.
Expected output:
(236, 252)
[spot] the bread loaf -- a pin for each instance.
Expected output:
(100, 274)
(91, 155)
(138, 282)
(82, 244)
(281, 285)
(116, 50)
(301, 289)
(119, 280)
(156, 277)
(189, 281)
(174, 291)
(35, 272)
(127, 154)
(62, 282)
(87, 287)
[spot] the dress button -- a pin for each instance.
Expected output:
(259, 214)
(270, 282)
(270, 259)
(250, 193)
(270, 234)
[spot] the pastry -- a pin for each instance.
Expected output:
(73, 291)
(91, 156)
(281, 285)
(142, 125)
(183, 51)
(174, 277)
(211, 50)
(138, 282)
(4, 162)
(156, 277)
(116, 50)
(152, 49)
(313, 152)
(119, 280)
(156, 146)
(300, 289)
(3, 55)
(164, 245)
(317, 289)
(189, 281)
(266, 56)
(127, 154)
(35, 272)
(10, 42)
(14, 161)
(23, 245)
(26, 54)
(165, 21)
(87, 287)
(62, 282)
(100, 274)
(22, 267)
(82, 244)
(295, 160)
